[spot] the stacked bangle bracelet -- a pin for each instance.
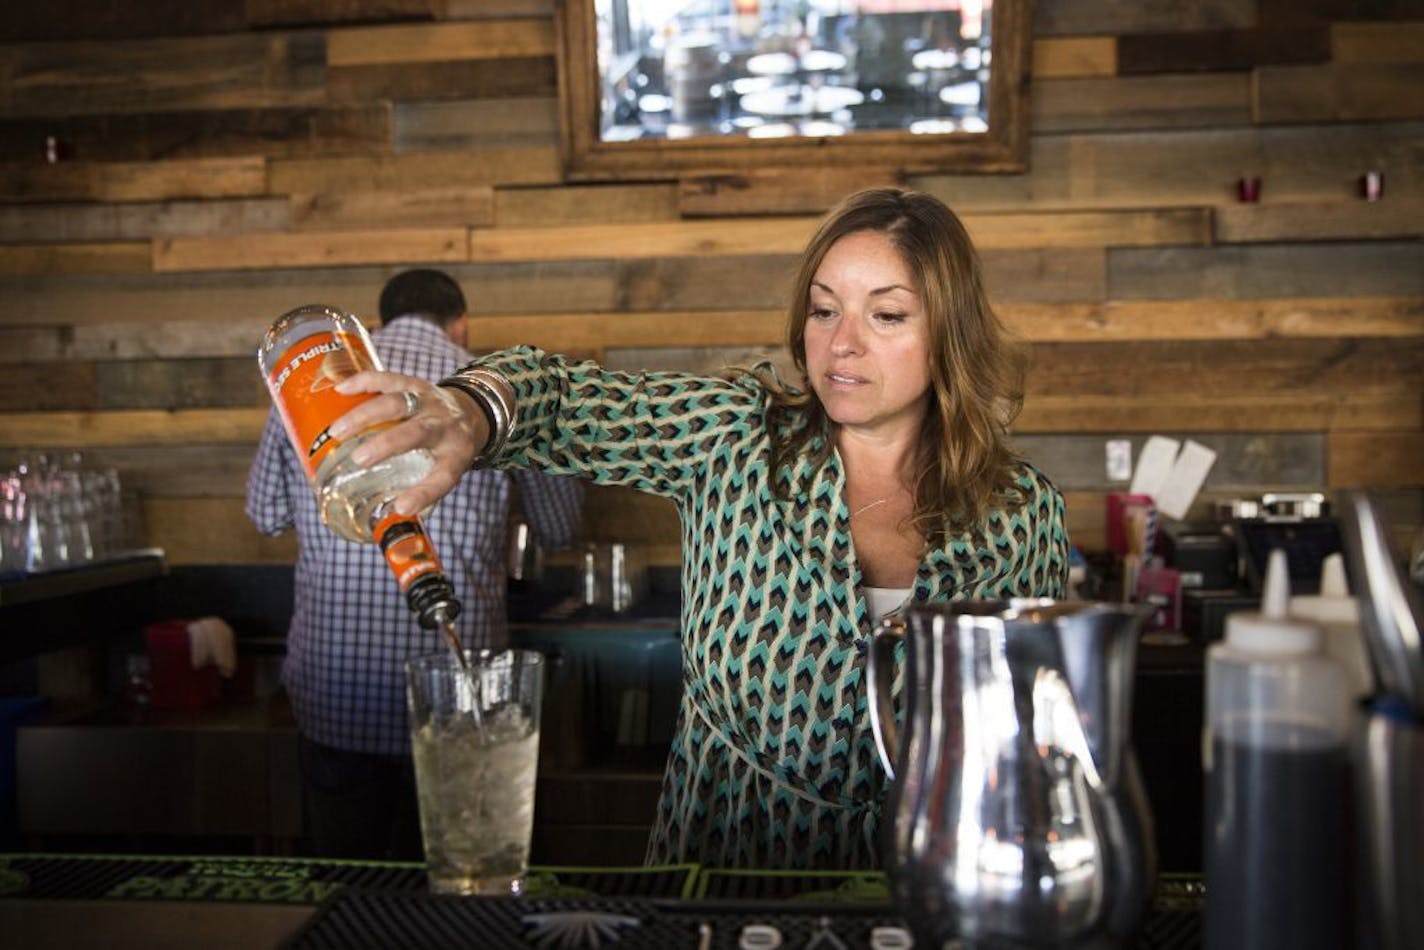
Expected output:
(495, 397)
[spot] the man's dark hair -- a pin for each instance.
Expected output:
(422, 292)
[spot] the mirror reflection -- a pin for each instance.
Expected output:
(677, 69)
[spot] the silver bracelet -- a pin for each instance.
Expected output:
(495, 397)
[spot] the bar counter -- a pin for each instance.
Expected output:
(155, 902)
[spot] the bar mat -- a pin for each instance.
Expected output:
(291, 880)
(1175, 891)
(832, 887)
(433, 922)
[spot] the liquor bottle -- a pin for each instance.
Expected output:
(303, 355)
(1277, 781)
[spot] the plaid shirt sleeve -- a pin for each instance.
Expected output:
(269, 482)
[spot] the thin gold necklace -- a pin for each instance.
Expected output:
(868, 505)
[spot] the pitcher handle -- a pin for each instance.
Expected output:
(879, 673)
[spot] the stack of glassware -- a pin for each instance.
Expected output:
(57, 511)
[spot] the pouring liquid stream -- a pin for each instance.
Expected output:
(452, 637)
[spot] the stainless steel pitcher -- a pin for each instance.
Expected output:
(1016, 815)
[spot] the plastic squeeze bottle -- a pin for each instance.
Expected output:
(1338, 614)
(1277, 780)
(303, 355)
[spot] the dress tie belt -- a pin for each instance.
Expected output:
(761, 770)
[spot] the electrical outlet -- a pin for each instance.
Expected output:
(1119, 459)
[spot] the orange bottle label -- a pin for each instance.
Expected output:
(302, 388)
(407, 548)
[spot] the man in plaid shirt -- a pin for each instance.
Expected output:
(351, 631)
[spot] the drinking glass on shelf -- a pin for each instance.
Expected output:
(101, 495)
(14, 512)
(46, 542)
(74, 509)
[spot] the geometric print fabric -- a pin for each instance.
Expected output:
(773, 762)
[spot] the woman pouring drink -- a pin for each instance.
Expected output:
(883, 477)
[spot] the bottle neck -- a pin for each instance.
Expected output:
(410, 554)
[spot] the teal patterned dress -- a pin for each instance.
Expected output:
(773, 763)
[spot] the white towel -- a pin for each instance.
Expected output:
(210, 640)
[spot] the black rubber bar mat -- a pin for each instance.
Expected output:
(290, 880)
(380, 920)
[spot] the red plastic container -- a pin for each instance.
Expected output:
(176, 685)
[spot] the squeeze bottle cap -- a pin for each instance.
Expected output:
(1273, 631)
(1333, 604)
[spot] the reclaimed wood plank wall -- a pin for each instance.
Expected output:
(225, 160)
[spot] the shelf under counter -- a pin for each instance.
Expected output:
(228, 770)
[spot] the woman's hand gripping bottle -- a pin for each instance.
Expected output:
(303, 355)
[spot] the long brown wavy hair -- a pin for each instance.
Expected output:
(976, 368)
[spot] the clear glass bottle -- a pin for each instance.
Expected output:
(1277, 782)
(303, 355)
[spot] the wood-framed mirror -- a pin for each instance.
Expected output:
(654, 89)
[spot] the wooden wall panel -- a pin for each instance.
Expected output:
(285, 132)
(470, 206)
(227, 160)
(138, 220)
(734, 283)
(787, 235)
(113, 257)
(211, 531)
(1222, 50)
(1268, 270)
(1199, 410)
(527, 207)
(314, 249)
(1313, 221)
(1194, 167)
(170, 471)
(778, 191)
(1349, 93)
(558, 333)
(47, 386)
(305, 12)
(179, 384)
(476, 123)
(1216, 319)
(1107, 169)
(1046, 275)
(440, 42)
(134, 181)
(1343, 367)
(1368, 459)
(491, 9)
(1069, 17)
(151, 303)
(131, 427)
(159, 75)
(1142, 102)
(1377, 42)
(417, 171)
(1074, 57)
(672, 239)
(59, 20)
(459, 80)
